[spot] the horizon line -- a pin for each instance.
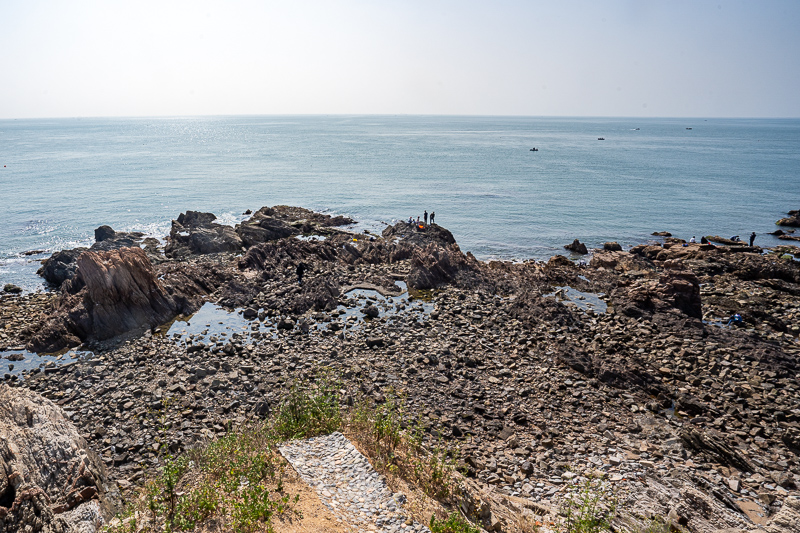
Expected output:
(450, 115)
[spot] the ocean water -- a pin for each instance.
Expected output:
(61, 178)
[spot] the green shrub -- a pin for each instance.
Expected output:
(590, 508)
(309, 411)
(454, 523)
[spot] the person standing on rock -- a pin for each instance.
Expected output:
(752, 238)
(433, 215)
(425, 217)
(301, 268)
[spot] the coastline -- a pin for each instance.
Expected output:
(528, 386)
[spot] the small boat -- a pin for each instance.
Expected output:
(636, 129)
(688, 128)
(534, 149)
(601, 138)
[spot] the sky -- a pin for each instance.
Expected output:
(630, 58)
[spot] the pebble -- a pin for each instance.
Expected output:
(348, 485)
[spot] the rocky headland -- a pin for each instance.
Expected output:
(540, 372)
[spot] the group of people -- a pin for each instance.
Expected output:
(424, 219)
(735, 238)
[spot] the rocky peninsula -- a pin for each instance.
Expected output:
(622, 366)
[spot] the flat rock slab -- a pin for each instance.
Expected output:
(348, 485)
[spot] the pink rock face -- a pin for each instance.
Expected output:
(112, 293)
(122, 291)
(46, 468)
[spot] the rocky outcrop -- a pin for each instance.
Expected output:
(197, 233)
(576, 247)
(61, 266)
(112, 293)
(434, 266)
(49, 479)
(261, 228)
(415, 235)
(793, 220)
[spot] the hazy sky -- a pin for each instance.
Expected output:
(665, 58)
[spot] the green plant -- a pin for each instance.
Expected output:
(256, 506)
(454, 523)
(309, 410)
(589, 508)
(434, 469)
(658, 525)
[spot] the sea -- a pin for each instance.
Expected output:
(62, 178)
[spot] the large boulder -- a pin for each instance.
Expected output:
(61, 266)
(263, 227)
(196, 233)
(50, 481)
(577, 247)
(112, 293)
(434, 266)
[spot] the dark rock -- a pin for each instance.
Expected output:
(262, 228)
(375, 342)
(60, 266)
(715, 449)
(612, 246)
(577, 247)
(104, 233)
(793, 220)
(412, 234)
(434, 266)
(371, 311)
(197, 233)
(12, 289)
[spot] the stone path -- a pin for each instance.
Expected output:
(348, 485)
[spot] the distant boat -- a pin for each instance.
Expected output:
(601, 138)
(636, 129)
(688, 128)
(534, 149)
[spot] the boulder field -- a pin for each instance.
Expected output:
(685, 416)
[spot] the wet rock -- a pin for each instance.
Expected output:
(60, 266)
(612, 246)
(577, 247)
(12, 289)
(793, 220)
(197, 233)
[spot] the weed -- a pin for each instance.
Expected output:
(658, 525)
(454, 523)
(309, 411)
(589, 509)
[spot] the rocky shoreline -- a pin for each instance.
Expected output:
(687, 417)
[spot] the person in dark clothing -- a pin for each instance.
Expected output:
(301, 268)
(425, 217)
(752, 238)
(432, 216)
